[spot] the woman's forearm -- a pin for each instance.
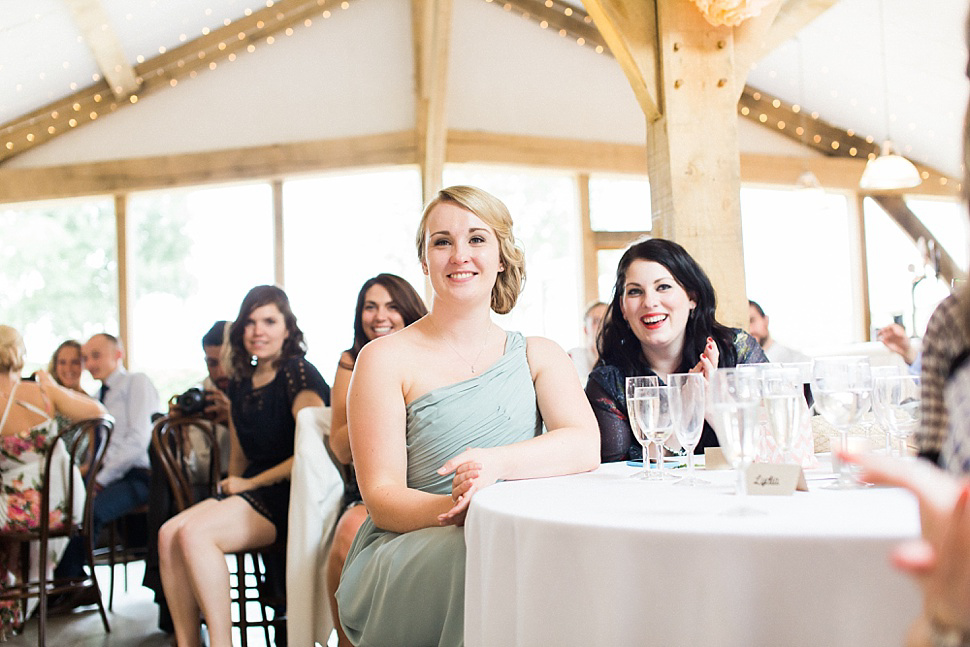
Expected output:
(567, 450)
(274, 474)
(403, 509)
(340, 443)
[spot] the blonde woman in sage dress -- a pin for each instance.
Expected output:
(442, 409)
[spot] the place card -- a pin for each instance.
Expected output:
(771, 479)
(714, 459)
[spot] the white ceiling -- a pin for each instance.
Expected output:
(506, 74)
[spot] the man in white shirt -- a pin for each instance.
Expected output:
(775, 352)
(122, 483)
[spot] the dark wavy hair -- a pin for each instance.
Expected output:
(408, 302)
(617, 344)
(261, 295)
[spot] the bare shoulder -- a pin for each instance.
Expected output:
(390, 352)
(544, 353)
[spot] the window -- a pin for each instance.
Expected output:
(901, 285)
(619, 203)
(797, 265)
(59, 271)
(194, 253)
(339, 231)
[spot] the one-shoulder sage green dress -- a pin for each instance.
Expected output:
(408, 590)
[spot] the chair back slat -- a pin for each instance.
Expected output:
(170, 439)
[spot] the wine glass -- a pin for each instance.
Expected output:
(633, 383)
(879, 412)
(653, 418)
(782, 390)
(843, 390)
(687, 398)
(898, 399)
(734, 397)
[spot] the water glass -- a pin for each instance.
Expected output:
(734, 399)
(633, 383)
(782, 395)
(843, 391)
(654, 422)
(688, 392)
(897, 398)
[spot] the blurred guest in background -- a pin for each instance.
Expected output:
(660, 321)
(65, 365)
(270, 382)
(585, 357)
(775, 352)
(385, 304)
(122, 484)
(27, 433)
(894, 338)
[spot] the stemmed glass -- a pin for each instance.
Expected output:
(652, 408)
(734, 397)
(879, 411)
(782, 390)
(687, 398)
(843, 390)
(633, 383)
(898, 399)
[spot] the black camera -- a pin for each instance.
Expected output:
(191, 402)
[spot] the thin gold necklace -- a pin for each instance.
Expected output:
(471, 365)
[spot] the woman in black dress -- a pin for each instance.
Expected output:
(660, 321)
(271, 382)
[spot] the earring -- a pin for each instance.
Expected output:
(253, 361)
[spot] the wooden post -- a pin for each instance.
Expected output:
(684, 74)
(124, 295)
(278, 276)
(431, 28)
(590, 264)
(692, 151)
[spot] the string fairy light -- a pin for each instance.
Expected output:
(171, 64)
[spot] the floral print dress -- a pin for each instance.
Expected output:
(22, 458)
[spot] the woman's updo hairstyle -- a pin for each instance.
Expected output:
(510, 282)
(12, 350)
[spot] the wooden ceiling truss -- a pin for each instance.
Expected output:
(163, 71)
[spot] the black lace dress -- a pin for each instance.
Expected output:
(266, 430)
(606, 390)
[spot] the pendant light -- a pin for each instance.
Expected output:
(888, 170)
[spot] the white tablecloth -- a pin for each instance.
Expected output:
(602, 559)
(316, 493)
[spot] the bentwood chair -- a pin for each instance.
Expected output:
(251, 590)
(86, 443)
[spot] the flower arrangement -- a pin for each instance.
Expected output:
(730, 12)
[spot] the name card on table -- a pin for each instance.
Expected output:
(714, 459)
(769, 479)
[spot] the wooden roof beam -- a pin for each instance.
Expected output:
(897, 209)
(101, 39)
(809, 129)
(161, 72)
(431, 25)
(750, 39)
(791, 18)
(629, 27)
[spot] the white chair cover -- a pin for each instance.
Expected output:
(316, 495)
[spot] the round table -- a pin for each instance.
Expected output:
(603, 559)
